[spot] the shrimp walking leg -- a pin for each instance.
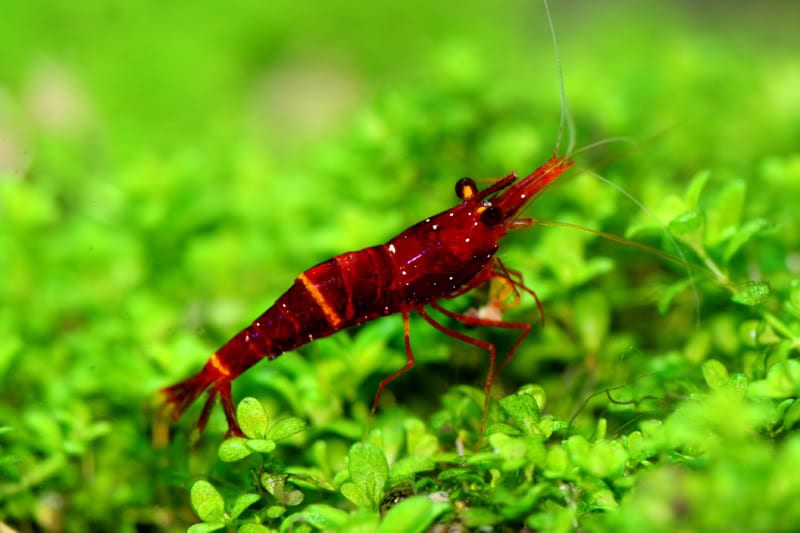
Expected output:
(523, 327)
(409, 364)
(230, 413)
(488, 346)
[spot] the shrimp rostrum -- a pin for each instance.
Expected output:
(440, 257)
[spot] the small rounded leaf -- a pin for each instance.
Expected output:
(242, 503)
(524, 409)
(407, 467)
(293, 497)
(275, 511)
(252, 418)
(686, 223)
(368, 469)
(233, 449)
(207, 502)
(286, 428)
(261, 445)
(325, 517)
(254, 528)
(792, 416)
(205, 527)
(714, 373)
(480, 517)
(794, 294)
(412, 515)
(754, 293)
(352, 492)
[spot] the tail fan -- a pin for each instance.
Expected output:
(183, 394)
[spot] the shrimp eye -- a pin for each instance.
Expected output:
(466, 188)
(492, 216)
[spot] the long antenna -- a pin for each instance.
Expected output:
(566, 119)
(566, 116)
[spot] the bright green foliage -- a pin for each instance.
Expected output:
(261, 437)
(168, 168)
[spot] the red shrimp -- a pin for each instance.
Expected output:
(440, 257)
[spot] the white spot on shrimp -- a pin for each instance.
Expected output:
(435, 227)
(522, 196)
(427, 220)
(475, 224)
(310, 337)
(451, 214)
(404, 272)
(392, 249)
(283, 305)
(258, 324)
(466, 240)
(247, 338)
(451, 278)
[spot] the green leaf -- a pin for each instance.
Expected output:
(782, 381)
(353, 492)
(517, 452)
(459, 474)
(252, 418)
(418, 441)
(275, 511)
(792, 415)
(792, 304)
(728, 213)
(604, 499)
(523, 408)
(286, 427)
(233, 449)
(557, 462)
(697, 346)
(602, 428)
(670, 293)
(254, 528)
(696, 187)
(538, 393)
(362, 521)
(686, 223)
(205, 527)
(601, 459)
(324, 517)
(292, 498)
(753, 293)
(412, 515)
(274, 483)
(480, 516)
(714, 373)
(261, 445)
(368, 470)
(242, 502)
(592, 318)
(408, 466)
(207, 502)
(744, 234)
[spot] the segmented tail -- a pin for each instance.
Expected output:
(183, 394)
(215, 379)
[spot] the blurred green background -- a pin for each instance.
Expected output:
(167, 169)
